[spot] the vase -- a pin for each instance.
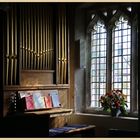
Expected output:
(115, 112)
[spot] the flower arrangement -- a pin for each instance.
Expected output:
(114, 102)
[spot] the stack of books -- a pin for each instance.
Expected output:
(32, 100)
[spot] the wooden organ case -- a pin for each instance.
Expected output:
(34, 52)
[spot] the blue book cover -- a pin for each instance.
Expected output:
(55, 98)
(38, 100)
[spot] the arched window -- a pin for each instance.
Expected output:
(121, 57)
(98, 63)
(113, 57)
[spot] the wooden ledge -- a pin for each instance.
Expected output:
(81, 129)
(42, 87)
(52, 112)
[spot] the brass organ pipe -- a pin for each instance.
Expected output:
(41, 39)
(58, 48)
(65, 57)
(7, 53)
(59, 54)
(62, 50)
(13, 55)
(68, 42)
(47, 39)
(15, 68)
(50, 40)
(35, 40)
(43, 20)
(66, 50)
(38, 41)
(32, 38)
(12, 47)
(23, 39)
(51, 36)
(52, 20)
(39, 17)
(29, 36)
(52, 54)
(64, 61)
(52, 44)
(21, 43)
(61, 47)
(45, 43)
(26, 38)
(48, 29)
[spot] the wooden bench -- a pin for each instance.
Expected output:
(73, 131)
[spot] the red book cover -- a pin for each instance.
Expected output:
(48, 101)
(29, 102)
